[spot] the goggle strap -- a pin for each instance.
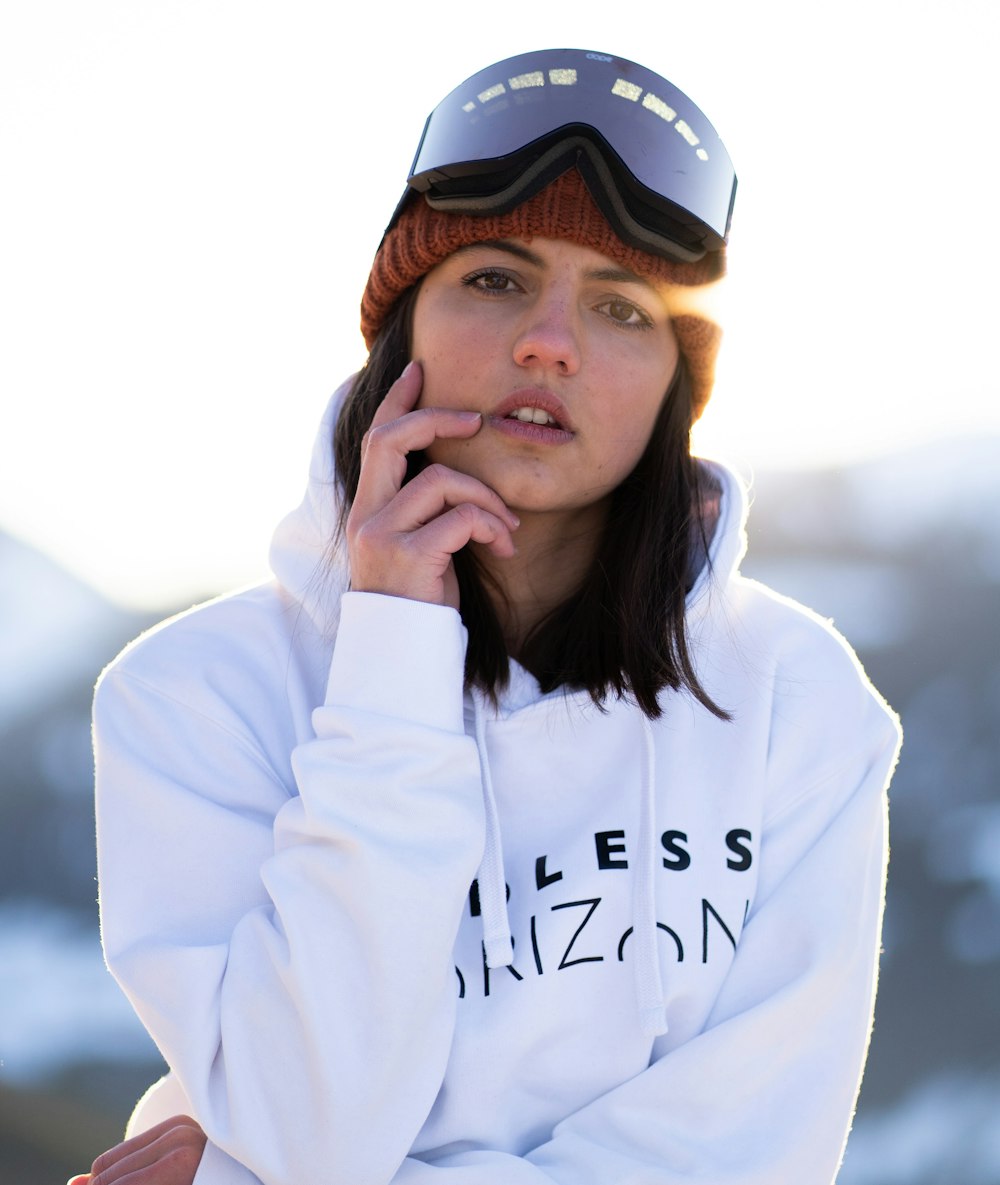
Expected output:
(572, 152)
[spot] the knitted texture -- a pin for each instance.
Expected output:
(564, 209)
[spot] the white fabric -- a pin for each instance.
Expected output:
(291, 812)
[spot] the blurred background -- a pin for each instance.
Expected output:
(193, 192)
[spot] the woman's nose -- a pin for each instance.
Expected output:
(549, 337)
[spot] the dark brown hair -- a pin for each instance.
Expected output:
(623, 631)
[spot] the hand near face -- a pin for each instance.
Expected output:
(168, 1154)
(401, 538)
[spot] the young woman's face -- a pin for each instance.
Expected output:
(566, 355)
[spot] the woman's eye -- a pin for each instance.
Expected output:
(625, 313)
(489, 281)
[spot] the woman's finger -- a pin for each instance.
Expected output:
(435, 490)
(142, 1140)
(388, 445)
(417, 564)
(401, 397)
(167, 1154)
(406, 549)
(463, 524)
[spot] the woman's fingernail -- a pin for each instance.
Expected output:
(469, 415)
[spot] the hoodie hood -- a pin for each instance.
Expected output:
(308, 556)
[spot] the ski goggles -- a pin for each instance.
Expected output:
(653, 163)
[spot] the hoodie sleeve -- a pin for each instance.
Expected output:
(291, 954)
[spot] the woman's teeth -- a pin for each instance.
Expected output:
(532, 415)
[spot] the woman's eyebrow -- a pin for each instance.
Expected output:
(620, 275)
(514, 249)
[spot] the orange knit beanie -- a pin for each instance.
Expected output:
(564, 209)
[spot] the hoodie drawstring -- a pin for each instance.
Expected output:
(648, 981)
(497, 941)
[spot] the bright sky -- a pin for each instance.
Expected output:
(193, 190)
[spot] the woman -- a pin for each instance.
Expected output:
(510, 835)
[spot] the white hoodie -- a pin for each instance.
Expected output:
(294, 798)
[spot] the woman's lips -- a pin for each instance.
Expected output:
(533, 414)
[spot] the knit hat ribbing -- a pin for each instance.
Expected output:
(564, 209)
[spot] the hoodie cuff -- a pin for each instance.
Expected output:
(399, 658)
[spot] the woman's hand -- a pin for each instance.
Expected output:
(168, 1154)
(401, 538)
